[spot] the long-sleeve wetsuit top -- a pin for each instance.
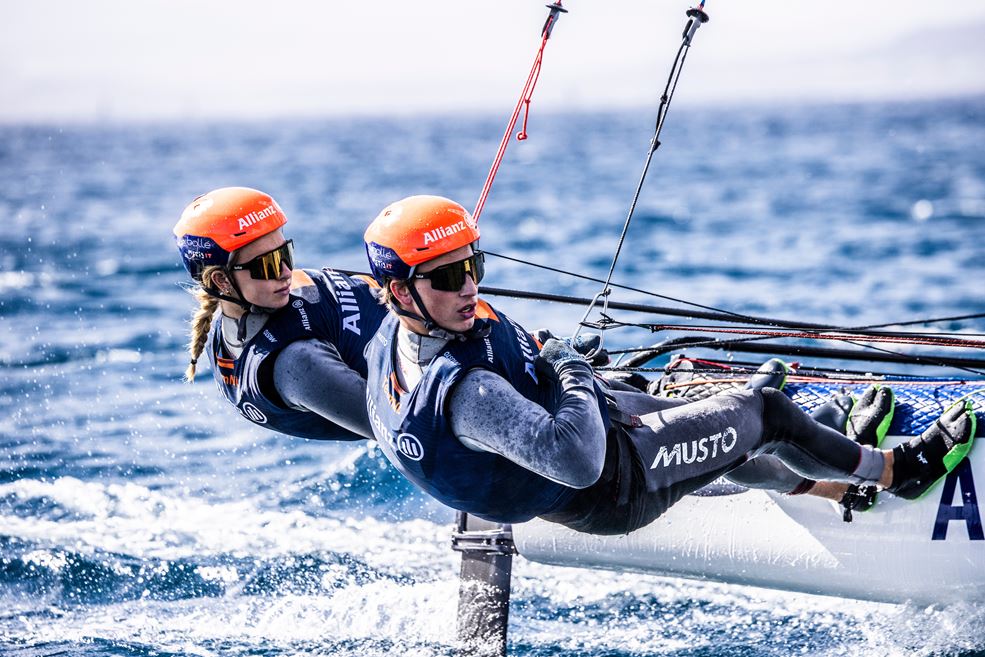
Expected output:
(310, 375)
(301, 369)
(486, 413)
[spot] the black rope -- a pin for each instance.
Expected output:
(750, 367)
(723, 315)
(714, 342)
(796, 351)
(930, 339)
(749, 318)
(910, 358)
(654, 145)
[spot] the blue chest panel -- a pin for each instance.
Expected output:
(414, 433)
(346, 314)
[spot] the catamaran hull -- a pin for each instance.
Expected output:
(925, 551)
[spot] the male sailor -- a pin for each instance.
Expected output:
(462, 404)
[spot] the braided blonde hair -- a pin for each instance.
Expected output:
(201, 321)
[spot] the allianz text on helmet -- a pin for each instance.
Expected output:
(216, 224)
(415, 230)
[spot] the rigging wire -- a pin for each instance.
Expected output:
(708, 366)
(714, 343)
(715, 313)
(917, 359)
(843, 336)
(899, 337)
(934, 340)
(696, 17)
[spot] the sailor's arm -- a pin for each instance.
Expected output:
(310, 375)
(487, 413)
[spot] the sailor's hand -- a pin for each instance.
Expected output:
(542, 335)
(586, 345)
(557, 355)
(590, 346)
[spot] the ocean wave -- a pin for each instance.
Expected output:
(64, 577)
(165, 524)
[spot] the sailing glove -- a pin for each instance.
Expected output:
(590, 346)
(586, 345)
(556, 355)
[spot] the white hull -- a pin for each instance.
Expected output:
(799, 543)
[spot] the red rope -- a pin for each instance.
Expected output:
(796, 378)
(522, 103)
(850, 337)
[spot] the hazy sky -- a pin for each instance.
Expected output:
(178, 59)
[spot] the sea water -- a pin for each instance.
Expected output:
(140, 515)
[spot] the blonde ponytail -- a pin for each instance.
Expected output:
(201, 322)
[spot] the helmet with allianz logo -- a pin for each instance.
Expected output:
(415, 230)
(216, 224)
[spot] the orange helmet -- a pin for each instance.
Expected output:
(216, 224)
(415, 230)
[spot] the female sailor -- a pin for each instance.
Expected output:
(286, 344)
(462, 404)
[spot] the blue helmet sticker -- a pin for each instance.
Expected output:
(197, 253)
(385, 263)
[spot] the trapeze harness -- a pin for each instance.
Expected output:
(324, 305)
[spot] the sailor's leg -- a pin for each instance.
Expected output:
(812, 449)
(634, 402)
(908, 471)
(675, 452)
(680, 449)
(770, 473)
(865, 421)
(685, 447)
(821, 453)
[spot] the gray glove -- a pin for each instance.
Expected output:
(557, 355)
(583, 344)
(591, 343)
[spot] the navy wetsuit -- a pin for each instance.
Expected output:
(301, 370)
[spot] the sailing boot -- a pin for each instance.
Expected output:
(675, 381)
(771, 374)
(870, 417)
(867, 424)
(834, 412)
(920, 463)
